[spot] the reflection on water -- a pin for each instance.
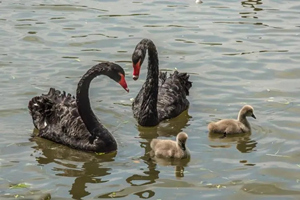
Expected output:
(147, 191)
(267, 189)
(236, 52)
(252, 4)
(166, 128)
(91, 170)
(243, 142)
(139, 184)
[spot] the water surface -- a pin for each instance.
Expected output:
(236, 52)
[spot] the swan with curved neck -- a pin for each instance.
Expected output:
(63, 119)
(160, 97)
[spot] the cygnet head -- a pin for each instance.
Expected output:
(181, 139)
(246, 111)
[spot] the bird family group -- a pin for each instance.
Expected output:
(70, 120)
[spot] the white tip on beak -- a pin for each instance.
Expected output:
(135, 77)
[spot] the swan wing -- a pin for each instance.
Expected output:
(172, 96)
(56, 117)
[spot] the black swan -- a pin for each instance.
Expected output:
(160, 97)
(63, 119)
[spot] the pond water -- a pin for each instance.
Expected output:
(236, 52)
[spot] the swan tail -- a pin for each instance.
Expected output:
(184, 80)
(58, 97)
(42, 108)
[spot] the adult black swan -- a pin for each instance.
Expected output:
(63, 119)
(160, 97)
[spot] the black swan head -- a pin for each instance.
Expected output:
(117, 74)
(138, 57)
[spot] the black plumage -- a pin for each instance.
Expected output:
(160, 97)
(63, 119)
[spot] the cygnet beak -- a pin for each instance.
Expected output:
(253, 116)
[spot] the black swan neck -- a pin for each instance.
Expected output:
(152, 60)
(149, 105)
(85, 111)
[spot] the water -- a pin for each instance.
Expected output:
(236, 52)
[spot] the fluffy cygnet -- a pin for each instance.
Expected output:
(170, 148)
(232, 126)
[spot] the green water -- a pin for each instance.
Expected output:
(236, 52)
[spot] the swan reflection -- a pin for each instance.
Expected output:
(83, 166)
(243, 142)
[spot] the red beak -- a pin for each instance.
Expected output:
(123, 83)
(136, 70)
